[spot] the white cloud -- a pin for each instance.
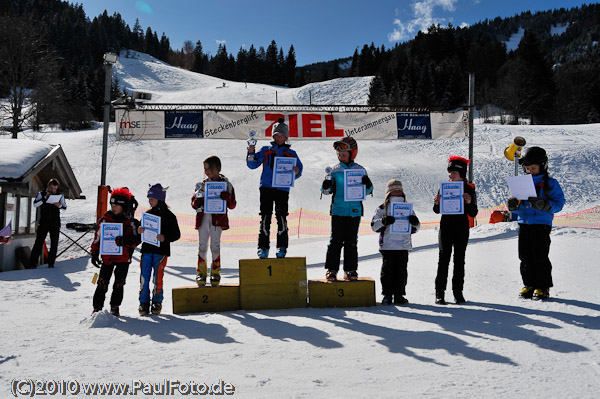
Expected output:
(423, 18)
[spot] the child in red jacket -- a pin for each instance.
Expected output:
(123, 206)
(210, 225)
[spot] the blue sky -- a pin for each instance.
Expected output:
(320, 30)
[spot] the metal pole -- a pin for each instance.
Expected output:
(107, 85)
(471, 109)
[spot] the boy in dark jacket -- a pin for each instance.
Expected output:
(454, 232)
(123, 205)
(154, 258)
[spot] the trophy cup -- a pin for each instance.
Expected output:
(328, 176)
(199, 193)
(251, 143)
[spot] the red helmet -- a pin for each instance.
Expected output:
(347, 144)
(123, 197)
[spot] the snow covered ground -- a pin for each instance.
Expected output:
(495, 346)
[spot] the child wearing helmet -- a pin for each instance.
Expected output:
(154, 258)
(270, 195)
(535, 216)
(454, 233)
(345, 215)
(123, 206)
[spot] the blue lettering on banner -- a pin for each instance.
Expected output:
(183, 125)
(413, 125)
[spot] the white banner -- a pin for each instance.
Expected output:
(137, 125)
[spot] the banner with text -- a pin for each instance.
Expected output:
(136, 125)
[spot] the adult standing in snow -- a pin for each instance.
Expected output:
(50, 201)
(535, 216)
(454, 232)
(269, 194)
(345, 214)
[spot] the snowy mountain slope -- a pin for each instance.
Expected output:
(495, 346)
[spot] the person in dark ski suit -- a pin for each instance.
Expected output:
(454, 233)
(535, 216)
(154, 258)
(123, 206)
(269, 194)
(49, 222)
(345, 215)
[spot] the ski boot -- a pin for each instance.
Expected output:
(541, 294)
(351, 275)
(144, 309)
(387, 300)
(331, 275)
(400, 300)
(201, 272)
(114, 310)
(263, 253)
(439, 298)
(156, 308)
(281, 252)
(458, 297)
(526, 292)
(215, 272)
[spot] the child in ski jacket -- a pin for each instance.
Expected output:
(270, 195)
(454, 233)
(154, 257)
(123, 205)
(393, 247)
(211, 225)
(345, 215)
(535, 216)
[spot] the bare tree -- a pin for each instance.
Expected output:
(24, 61)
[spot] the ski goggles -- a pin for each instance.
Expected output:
(341, 146)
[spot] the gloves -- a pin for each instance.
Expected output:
(366, 181)
(413, 219)
(96, 259)
(121, 241)
(225, 195)
(512, 204)
(539, 203)
(198, 203)
(387, 220)
(327, 184)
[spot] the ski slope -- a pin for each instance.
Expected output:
(495, 346)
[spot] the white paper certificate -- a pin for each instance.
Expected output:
(521, 187)
(54, 198)
(452, 202)
(108, 232)
(212, 197)
(354, 190)
(401, 211)
(283, 172)
(151, 225)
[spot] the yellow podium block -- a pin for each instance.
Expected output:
(206, 299)
(342, 294)
(273, 283)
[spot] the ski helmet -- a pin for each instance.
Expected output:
(458, 164)
(347, 144)
(123, 197)
(534, 156)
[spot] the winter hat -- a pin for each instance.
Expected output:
(393, 184)
(281, 128)
(157, 192)
(123, 197)
(458, 164)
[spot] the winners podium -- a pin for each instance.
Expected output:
(274, 283)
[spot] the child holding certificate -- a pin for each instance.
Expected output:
(211, 218)
(535, 217)
(394, 244)
(159, 229)
(349, 184)
(454, 230)
(115, 248)
(281, 167)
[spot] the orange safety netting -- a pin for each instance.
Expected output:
(302, 222)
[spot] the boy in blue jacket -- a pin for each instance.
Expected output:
(535, 217)
(269, 194)
(345, 215)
